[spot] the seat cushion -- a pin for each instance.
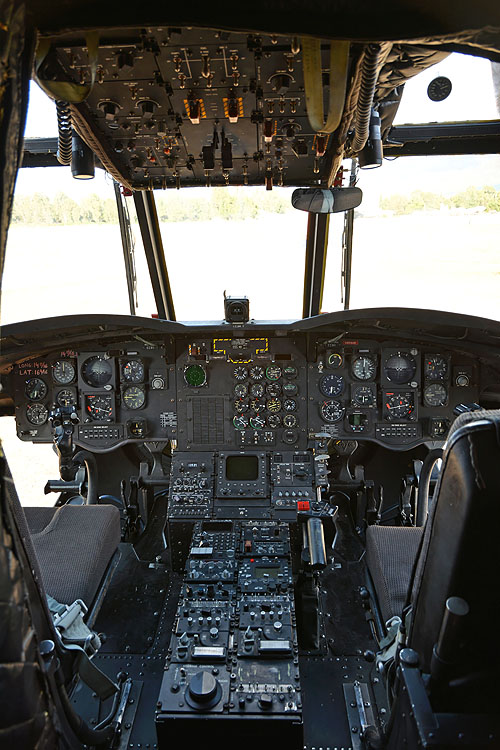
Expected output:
(73, 545)
(391, 552)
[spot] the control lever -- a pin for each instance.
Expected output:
(462, 408)
(63, 420)
(316, 543)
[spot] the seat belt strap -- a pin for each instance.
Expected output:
(76, 636)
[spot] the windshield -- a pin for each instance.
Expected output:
(424, 236)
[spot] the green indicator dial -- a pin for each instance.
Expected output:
(195, 376)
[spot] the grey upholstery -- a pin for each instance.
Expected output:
(73, 545)
(391, 552)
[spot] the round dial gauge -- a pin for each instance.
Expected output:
(35, 389)
(273, 405)
(273, 389)
(241, 406)
(66, 397)
(439, 89)
(400, 368)
(258, 404)
(99, 408)
(435, 368)
(63, 371)
(399, 405)
(290, 389)
(134, 397)
(240, 422)
(257, 390)
(289, 404)
(195, 376)
(290, 372)
(240, 390)
(274, 420)
(240, 373)
(97, 371)
(363, 396)
(257, 372)
(37, 414)
(364, 368)
(257, 422)
(334, 360)
(435, 395)
(133, 371)
(331, 385)
(332, 411)
(289, 420)
(273, 372)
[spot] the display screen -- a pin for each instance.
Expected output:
(264, 572)
(242, 468)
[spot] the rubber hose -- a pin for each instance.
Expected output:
(65, 133)
(365, 100)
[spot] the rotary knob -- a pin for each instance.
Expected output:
(204, 691)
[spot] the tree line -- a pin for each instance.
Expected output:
(39, 209)
(486, 198)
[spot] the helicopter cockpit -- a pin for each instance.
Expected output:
(271, 516)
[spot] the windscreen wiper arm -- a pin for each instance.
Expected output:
(128, 248)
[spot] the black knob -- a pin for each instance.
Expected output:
(266, 702)
(204, 691)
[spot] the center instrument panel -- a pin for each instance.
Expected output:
(243, 390)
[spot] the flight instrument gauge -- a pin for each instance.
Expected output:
(134, 397)
(289, 404)
(241, 405)
(334, 360)
(274, 389)
(240, 373)
(97, 371)
(399, 406)
(290, 389)
(257, 422)
(332, 411)
(240, 390)
(289, 420)
(331, 385)
(133, 371)
(273, 405)
(195, 376)
(257, 390)
(257, 372)
(240, 422)
(290, 372)
(435, 368)
(37, 414)
(99, 407)
(400, 368)
(435, 394)
(35, 389)
(363, 395)
(364, 368)
(273, 372)
(258, 404)
(274, 420)
(63, 371)
(66, 397)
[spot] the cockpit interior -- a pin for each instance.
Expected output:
(272, 532)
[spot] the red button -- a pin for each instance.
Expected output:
(303, 505)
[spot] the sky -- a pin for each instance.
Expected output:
(472, 97)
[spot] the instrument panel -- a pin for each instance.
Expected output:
(247, 390)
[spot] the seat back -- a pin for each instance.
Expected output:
(459, 555)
